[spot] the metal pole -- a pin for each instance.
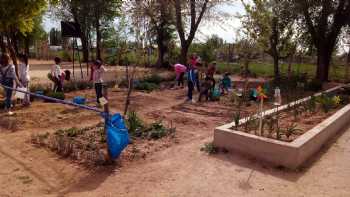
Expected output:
(81, 69)
(73, 55)
(106, 116)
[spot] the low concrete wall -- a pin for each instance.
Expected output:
(290, 155)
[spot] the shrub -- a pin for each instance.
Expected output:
(157, 131)
(64, 55)
(327, 102)
(56, 95)
(134, 124)
(209, 148)
(314, 85)
(154, 78)
(146, 86)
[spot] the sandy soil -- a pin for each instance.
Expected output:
(178, 170)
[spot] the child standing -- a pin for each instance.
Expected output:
(225, 83)
(24, 77)
(97, 77)
(206, 90)
(180, 71)
(8, 78)
(56, 75)
(191, 82)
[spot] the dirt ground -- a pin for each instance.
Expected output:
(179, 169)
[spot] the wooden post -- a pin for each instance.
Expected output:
(261, 114)
(106, 117)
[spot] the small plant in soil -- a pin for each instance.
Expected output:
(291, 129)
(236, 118)
(134, 124)
(209, 148)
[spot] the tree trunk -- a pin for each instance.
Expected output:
(323, 63)
(162, 48)
(2, 44)
(183, 54)
(276, 67)
(26, 46)
(347, 67)
(98, 39)
(85, 47)
(290, 66)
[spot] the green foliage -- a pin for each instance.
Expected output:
(157, 130)
(209, 148)
(154, 78)
(64, 55)
(56, 95)
(20, 14)
(146, 86)
(311, 104)
(134, 124)
(314, 85)
(326, 102)
(237, 118)
(291, 129)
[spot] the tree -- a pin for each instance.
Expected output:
(196, 12)
(103, 13)
(271, 24)
(324, 21)
(159, 16)
(17, 16)
(55, 37)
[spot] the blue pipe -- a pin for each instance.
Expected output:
(59, 101)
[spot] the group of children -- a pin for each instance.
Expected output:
(9, 78)
(206, 88)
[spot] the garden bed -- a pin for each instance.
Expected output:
(291, 133)
(87, 146)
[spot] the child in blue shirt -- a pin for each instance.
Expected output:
(192, 80)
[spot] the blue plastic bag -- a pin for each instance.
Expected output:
(79, 100)
(117, 135)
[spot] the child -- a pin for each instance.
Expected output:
(225, 83)
(97, 77)
(56, 75)
(24, 77)
(180, 71)
(211, 72)
(191, 81)
(206, 90)
(8, 78)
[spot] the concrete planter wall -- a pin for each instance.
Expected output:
(287, 154)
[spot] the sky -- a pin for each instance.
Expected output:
(224, 29)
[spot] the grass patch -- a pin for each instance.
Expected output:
(336, 72)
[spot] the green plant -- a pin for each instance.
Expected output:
(314, 85)
(311, 104)
(209, 148)
(157, 131)
(56, 95)
(146, 86)
(134, 124)
(270, 122)
(154, 78)
(279, 132)
(326, 102)
(291, 129)
(236, 118)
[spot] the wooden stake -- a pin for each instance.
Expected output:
(261, 114)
